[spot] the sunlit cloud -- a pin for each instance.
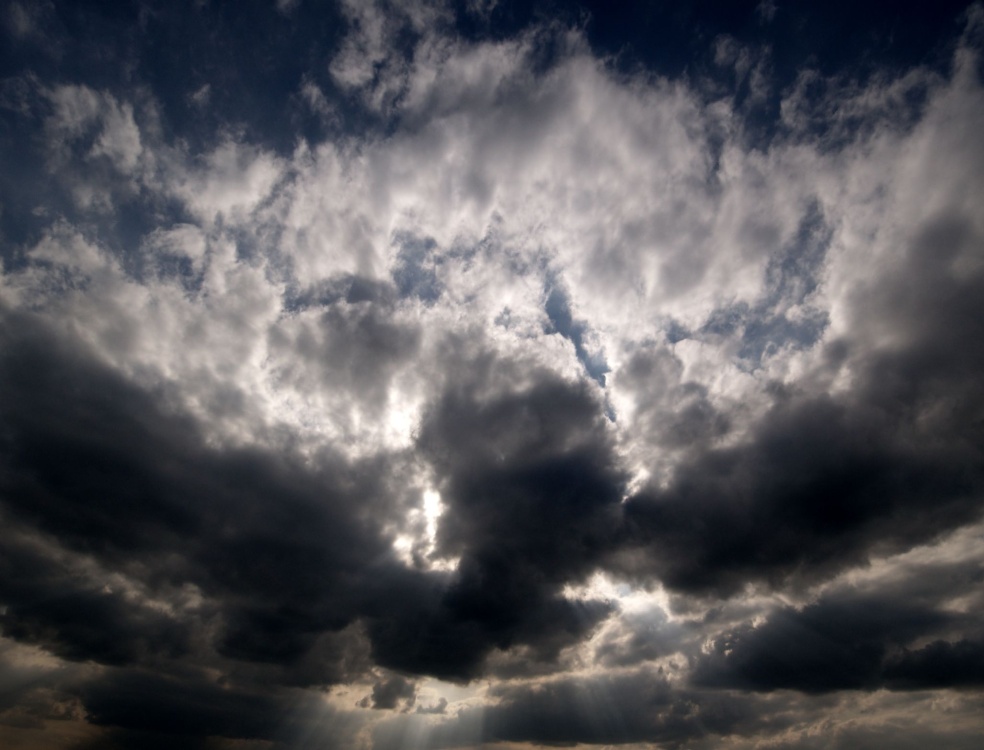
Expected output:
(412, 374)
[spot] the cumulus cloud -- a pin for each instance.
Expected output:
(456, 362)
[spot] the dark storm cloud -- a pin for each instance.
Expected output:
(839, 643)
(824, 480)
(283, 555)
(47, 604)
(519, 449)
(819, 486)
(31, 693)
(187, 707)
(531, 485)
(629, 707)
(340, 219)
(280, 549)
(912, 628)
(940, 664)
(155, 703)
(284, 552)
(391, 692)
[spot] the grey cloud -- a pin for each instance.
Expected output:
(414, 272)
(668, 411)
(33, 692)
(819, 485)
(249, 335)
(822, 481)
(531, 487)
(898, 630)
(438, 708)
(839, 643)
(639, 706)
(48, 605)
(99, 464)
(141, 709)
(393, 691)
(353, 345)
(349, 288)
(940, 664)
(836, 110)
(174, 706)
(640, 636)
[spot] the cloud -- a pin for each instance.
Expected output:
(829, 474)
(31, 22)
(633, 707)
(391, 692)
(893, 626)
(462, 363)
(170, 516)
(939, 664)
(818, 488)
(514, 459)
(47, 605)
(437, 708)
(839, 643)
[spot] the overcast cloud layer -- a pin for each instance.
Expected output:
(411, 375)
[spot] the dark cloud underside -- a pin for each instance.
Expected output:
(422, 374)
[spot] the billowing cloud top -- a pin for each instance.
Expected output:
(423, 375)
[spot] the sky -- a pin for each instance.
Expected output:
(410, 375)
